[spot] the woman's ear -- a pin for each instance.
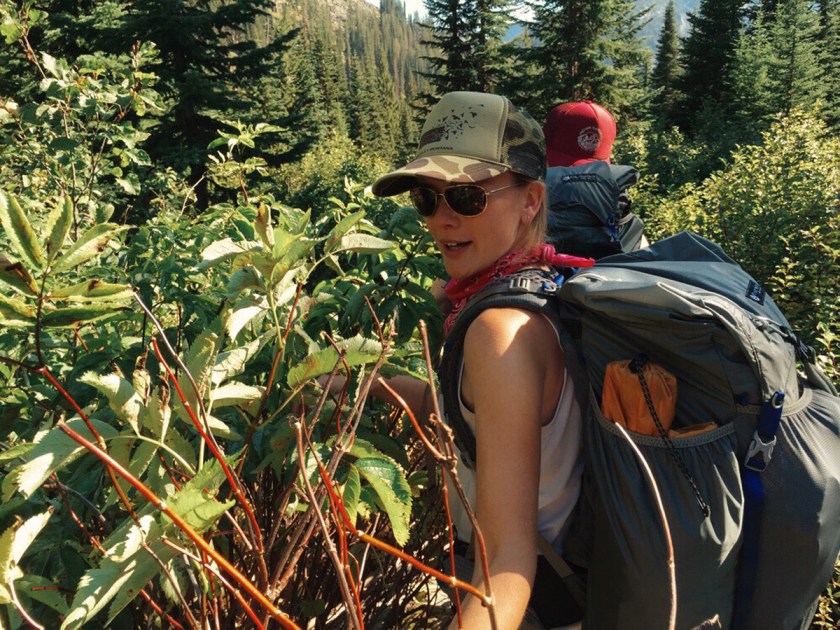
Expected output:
(534, 193)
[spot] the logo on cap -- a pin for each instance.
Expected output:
(589, 139)
(450, 126)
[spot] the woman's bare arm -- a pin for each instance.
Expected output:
(508, 358)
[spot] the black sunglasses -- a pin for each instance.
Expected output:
(468, 200)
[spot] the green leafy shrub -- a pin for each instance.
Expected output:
(775, 209)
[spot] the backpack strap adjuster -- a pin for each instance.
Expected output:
(760, 448)
(520, 284)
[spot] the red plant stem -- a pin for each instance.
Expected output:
(342, 540)
(426, 442)
(451, 536)
(98, 546)
(160, 611)
(120, 492)
(232, 480)
(340, 568)
(208, 567)
(449, 579)
(176, 518)
(81, 341)
(169, 470)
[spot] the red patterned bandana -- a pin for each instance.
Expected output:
(460, 291)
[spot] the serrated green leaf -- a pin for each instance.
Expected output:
(63, 143)
(91, 243)
(19, 231)
(234, 393)
(117, 581)
(392, 489)
(58, 227)
(363, 244)
(13, 544)
(243, 279)
(180, 445)
(55, 450)
(19, 450)
(16, 276)
(198, 510)
(386, 445)
(42, 590)
(360, 351)
(220, 429)
(296, 251)
(199, 361)
(351, 492)
(73, 316)
(137, 466)
(233, 362)
(14, 313)
(121, 396)
(155, 416)
(244, 311)
(362, 448)
(93, 290)
(262, 225)
(226, 249)
(341, 228)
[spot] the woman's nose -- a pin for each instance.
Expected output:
(443, 213)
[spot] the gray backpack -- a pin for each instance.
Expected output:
(753, 506)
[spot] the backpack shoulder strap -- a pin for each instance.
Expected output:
(532, 290)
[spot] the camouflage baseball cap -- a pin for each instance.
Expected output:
(469, 137)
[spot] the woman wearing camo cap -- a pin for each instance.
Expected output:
(478, 183)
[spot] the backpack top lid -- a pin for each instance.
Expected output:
(590, 185)
(652, 296)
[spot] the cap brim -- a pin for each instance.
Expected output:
(447, 168)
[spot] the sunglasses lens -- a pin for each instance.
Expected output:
(468, 200)
(424, 200)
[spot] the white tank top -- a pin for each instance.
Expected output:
(561, 465)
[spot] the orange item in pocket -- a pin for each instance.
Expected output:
(623, 400)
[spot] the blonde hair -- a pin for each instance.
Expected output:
(535, 234)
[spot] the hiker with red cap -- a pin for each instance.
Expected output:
(587, 195)
(578, 132)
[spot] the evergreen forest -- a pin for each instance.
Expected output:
(190, 252)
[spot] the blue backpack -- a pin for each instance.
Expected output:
(589, 209)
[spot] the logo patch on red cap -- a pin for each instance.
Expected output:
(589, 139)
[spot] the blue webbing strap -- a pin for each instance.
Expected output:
(756, 460)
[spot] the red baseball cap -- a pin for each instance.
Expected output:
(578, 132)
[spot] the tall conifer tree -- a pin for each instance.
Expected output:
(706, 57)
(794, 67)
(206, 59)
(586, 49)
(666, 68)
(451, 24)
(830, 62)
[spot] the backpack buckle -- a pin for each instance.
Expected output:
(759, 453)
(520, 284)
